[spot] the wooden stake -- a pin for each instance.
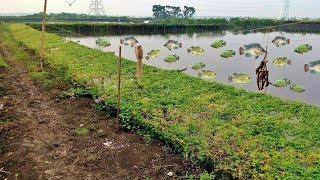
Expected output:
(42, 35)
(119, 89)
(139, 56)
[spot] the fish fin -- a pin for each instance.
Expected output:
(306, 68)
(252, 45)
(289, 62)
(241, 50)
(189, 50)
(288, 41)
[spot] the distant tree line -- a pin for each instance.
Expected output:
(167, 12)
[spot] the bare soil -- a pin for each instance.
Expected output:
(38, 139)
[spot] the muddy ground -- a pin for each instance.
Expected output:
(39, 139)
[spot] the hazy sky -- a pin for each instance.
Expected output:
(262, 8)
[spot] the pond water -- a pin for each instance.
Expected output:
(226, 67)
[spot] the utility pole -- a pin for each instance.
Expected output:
(42, 35)
(96, 8)
(286, 8)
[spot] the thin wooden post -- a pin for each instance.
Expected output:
(119, 89)
(42, 35)
(139, 56)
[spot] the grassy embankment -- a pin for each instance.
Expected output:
(182, 25)
(234, 132)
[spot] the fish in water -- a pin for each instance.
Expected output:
(171, 58)
(218, 44)
(312, 67)
(280, 40)
(172, 44)
(281, 61)
(303, 48)
(297, 88)
(228, 53)
(241, 78)
(281, 82)
(198, 66)
(195, 50)
(129, 41)
(103, 42)
(254, 49)
(207, 74)
(152, 54)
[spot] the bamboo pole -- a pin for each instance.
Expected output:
(119, 89)
(42, 35)
(139, 56)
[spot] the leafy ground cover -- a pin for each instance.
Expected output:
(230, 131)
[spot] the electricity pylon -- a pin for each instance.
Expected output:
(96, 8)
(286, 8)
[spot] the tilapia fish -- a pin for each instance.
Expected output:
(254, 49)
(280, 40)
(172, 44)
(152, 54)
(312, 67)
(196, 50)
(129, 41)
(303, 48)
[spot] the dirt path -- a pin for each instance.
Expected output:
(38, 139)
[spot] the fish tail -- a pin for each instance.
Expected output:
(178, 57)
(230, 78)
(234, 53)
(289, 62)
(189, 50)
(310, 48)
(241, 50)
(288, 41)
(306, 68)
(224, 43)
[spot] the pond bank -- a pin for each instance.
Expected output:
(224, 129)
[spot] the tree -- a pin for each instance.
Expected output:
(188, 12)
(162, 12)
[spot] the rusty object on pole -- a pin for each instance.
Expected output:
(119, 89)
(139, 56)
(42, 35)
